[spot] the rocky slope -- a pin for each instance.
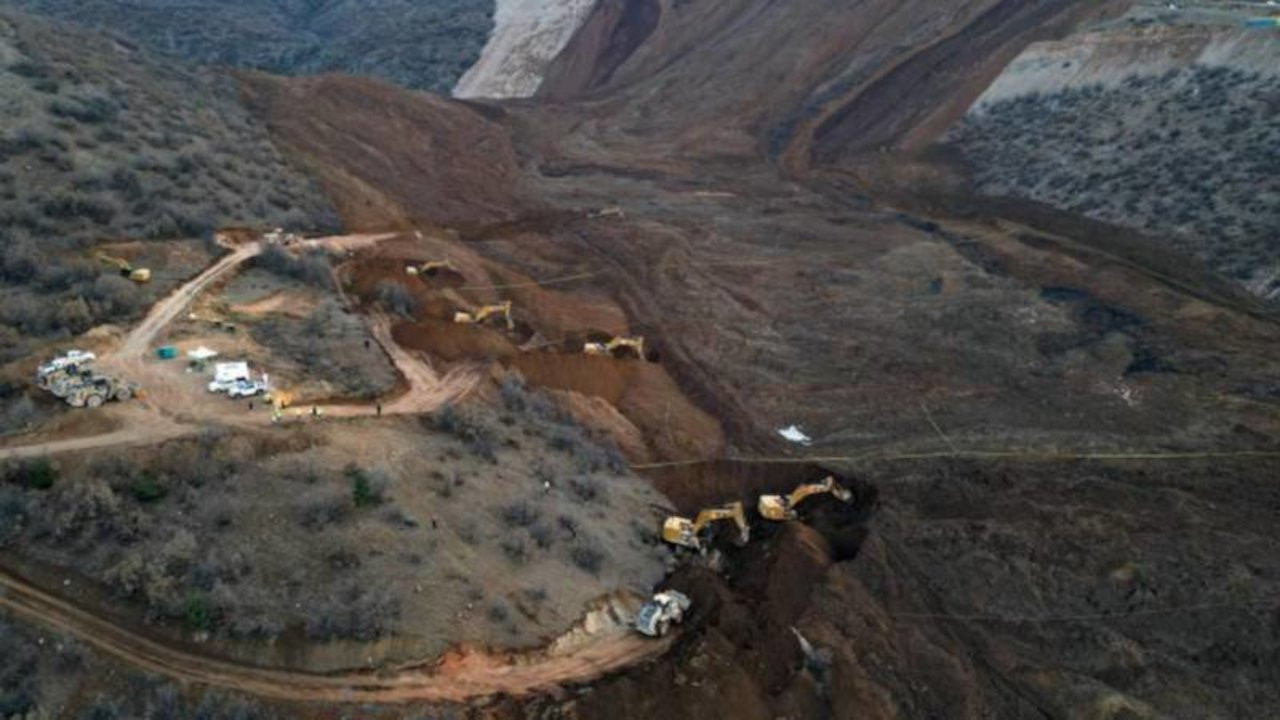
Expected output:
(527, 36)
(1061, 431)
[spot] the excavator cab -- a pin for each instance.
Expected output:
(430, 268)
(617, 347)
(479, 316)
(780, 508)
(689, 533)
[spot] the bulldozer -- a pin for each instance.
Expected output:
(781, 508)
(430, 268)
(486, 312)
(657, 615)
(614, 346)
(689, 533)
(127, 270)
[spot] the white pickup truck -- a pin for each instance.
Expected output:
(238, 387)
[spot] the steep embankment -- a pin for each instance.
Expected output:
(699, 80)
(526, 36)
(419, 160)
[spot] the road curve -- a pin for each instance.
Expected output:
(457, 678)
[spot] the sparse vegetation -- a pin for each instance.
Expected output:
(359, 548)
(418, 45)
(97, 143)
(474, 434)
(312, 268)
(328, 346)
(394, 296)
(1190, 154)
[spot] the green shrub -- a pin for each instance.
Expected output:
(147, 489)
(39, 474)
(197, 613)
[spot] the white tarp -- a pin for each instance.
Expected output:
(202, 353)
(230, 371)
(795, 435)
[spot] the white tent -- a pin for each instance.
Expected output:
(202, 354)
(230, 371)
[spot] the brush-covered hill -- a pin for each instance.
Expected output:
(426, 45)
(100, 142)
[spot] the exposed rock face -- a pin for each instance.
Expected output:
(527, 35)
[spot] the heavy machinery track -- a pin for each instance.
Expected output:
(454, 679)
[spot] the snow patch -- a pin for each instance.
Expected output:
(527, 35)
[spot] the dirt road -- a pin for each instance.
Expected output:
(164, 312)
(426, 390)
(456, 678)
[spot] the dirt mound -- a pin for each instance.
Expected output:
(453, 342)
(419, 160)
(641, 391)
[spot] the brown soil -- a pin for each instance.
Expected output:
(461, 166)
(641, 391)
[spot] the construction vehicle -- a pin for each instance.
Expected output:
(430, 268)
(71, 358)
(689, 533)
(79, 385)
(604, 212)
(657, 615)
(96, 389)
(486, 312)
(127, 270)
(627, 344)
(781, 508)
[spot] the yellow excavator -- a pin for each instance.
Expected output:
(633, 344)
(430, 268)
(688, 533)
(127, 270)
(486, 312)
(781, 508)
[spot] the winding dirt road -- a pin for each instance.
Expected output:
(426, 390)
(455, 678)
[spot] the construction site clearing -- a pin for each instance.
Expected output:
(433, 333)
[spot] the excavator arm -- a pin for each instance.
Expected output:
(634, 344)
(127, 270)
(430, 268)
(780, 508)
(486, 312)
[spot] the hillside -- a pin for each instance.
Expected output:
(1058, 428)
(413, 44)
(1167, 129)
(99, 142)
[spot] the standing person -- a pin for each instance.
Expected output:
(379, 408)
